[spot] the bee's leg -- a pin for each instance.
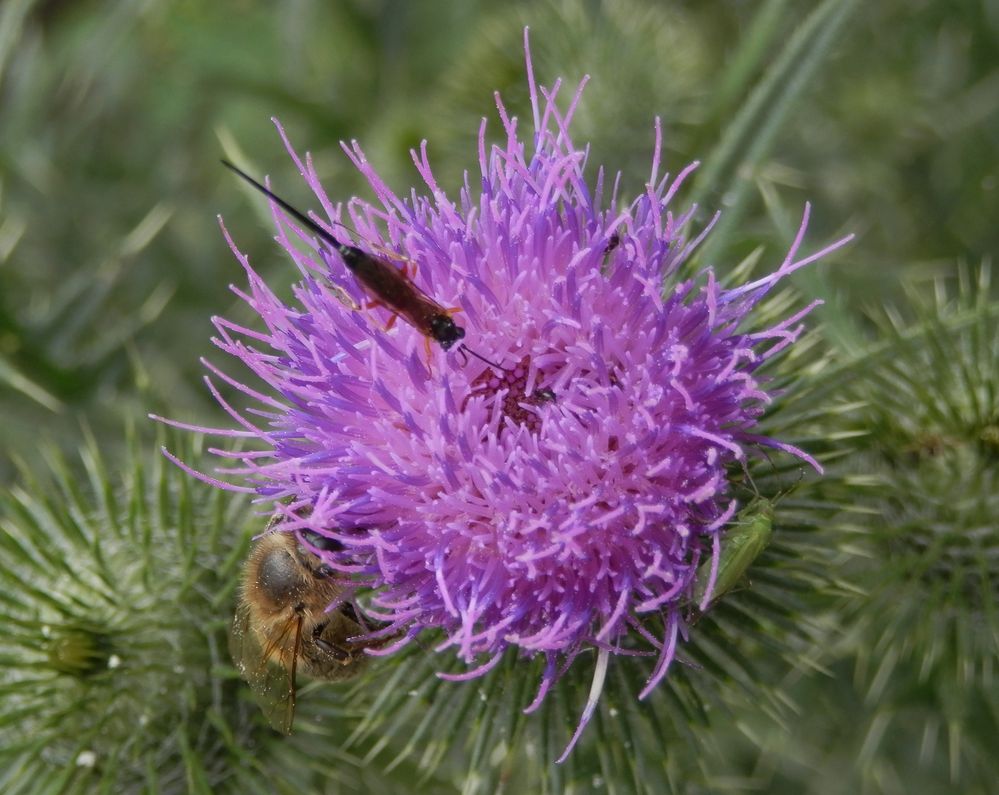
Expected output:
(334, 650)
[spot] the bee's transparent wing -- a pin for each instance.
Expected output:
(272, 683)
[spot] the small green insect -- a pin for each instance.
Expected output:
(741, 545)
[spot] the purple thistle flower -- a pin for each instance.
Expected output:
(560, 502)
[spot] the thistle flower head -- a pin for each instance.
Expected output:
(558, 500)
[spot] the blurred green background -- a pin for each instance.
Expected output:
(113, 117)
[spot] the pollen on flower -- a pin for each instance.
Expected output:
(515, 393)
(559, 501)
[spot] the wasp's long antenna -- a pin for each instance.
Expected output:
(343, 248)
(464, 349)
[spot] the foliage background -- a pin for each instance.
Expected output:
(113, 116)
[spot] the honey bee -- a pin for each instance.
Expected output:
(282, 625)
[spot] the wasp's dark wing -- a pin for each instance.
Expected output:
(272, 683)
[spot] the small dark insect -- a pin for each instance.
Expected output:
(612, 243)
(509, 388)
(282, 624)
(389, 286)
